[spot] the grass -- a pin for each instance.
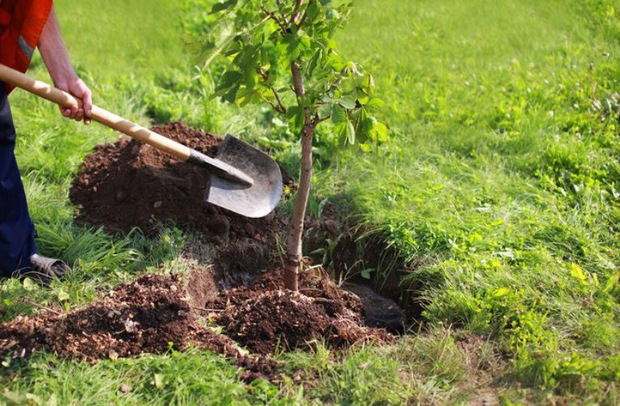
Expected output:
(503, 171)
(501, 179)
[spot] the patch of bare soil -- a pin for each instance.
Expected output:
(127, 184)
(155, 313)
(265, 317)
(149, 315)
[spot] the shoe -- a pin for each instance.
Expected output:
(43, 269)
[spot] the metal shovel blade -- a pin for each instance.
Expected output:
(253, 201)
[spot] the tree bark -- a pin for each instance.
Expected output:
(294, 247)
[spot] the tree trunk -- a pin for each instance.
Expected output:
(296, 227)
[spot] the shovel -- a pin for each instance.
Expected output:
(243, 179)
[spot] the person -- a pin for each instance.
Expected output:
(25, 25)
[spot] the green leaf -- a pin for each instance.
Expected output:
(366, 273)
(338, 114)
(340, 130)
(347, 102)
(366, 147)
(158, 380)
(375, 104)
(313, 62)
(312, 11)
(379, 132)
(295, 114)
(292, 45)
(612, 282)
(578, 273)
(231, 95)
(325, 110)
(332, 14)
(228, 79)
(370, 83)
(223, 6)
(501, 292)
(248, 58)
(29, 284)
(246, 96)
(350, 132)
(62, 295)
(293, 111)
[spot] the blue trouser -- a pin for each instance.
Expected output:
(16, 228)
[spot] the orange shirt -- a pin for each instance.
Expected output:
(21, 24)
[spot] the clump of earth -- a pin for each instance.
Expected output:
(127, 184)
(157, 312)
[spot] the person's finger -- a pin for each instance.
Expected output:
(74, 111)
(88, 105)
(80, 115)
(65, 111)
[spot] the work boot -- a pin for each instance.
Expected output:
(43, 269)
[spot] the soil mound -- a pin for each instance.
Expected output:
(149, 315)
(153, 314)
(265, 318)
(127, 184)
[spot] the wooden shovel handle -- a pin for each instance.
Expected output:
(98, 114)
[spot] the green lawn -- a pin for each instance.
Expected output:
(503, 174)
(501, 179)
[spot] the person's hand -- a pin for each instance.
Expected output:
(77, 88)
(56, 60)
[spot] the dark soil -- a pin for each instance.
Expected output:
(127, 184)
(156, 313)
(264, 317)
(143, 316)
(149, 315)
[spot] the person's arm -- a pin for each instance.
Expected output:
(57, 61)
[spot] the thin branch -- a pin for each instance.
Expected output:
(277, 96)
(41, 307)
(280, 107)
(275, 18)
(263, 74)
(279, 4)
(208, 310)
(275, 107)
(298, 85)
(305, 15)
(317, 120)
(298, 4)
(272, 104)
